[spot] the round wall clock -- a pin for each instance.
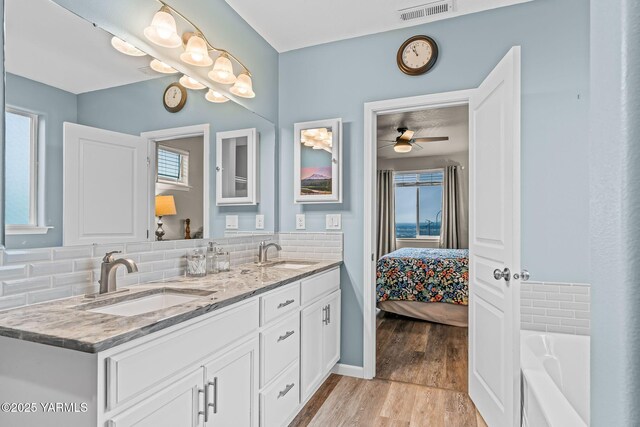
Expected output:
(175, 96)
(417, 55)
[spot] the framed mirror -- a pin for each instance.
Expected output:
(318, 162)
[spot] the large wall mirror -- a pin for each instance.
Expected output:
(93, 154)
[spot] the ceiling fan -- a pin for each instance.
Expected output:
(405, 141)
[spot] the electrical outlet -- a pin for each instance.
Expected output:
(300, 222)
(334, 222)
(259, 222)
(231, 222)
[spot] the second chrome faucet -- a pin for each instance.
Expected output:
(262, 251)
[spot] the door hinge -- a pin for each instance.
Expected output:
(148, 161)
(147, 234)
(372, 258)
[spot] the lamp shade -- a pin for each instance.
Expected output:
(125, 47)
(161, 67)
(165, 205)
(196, 52)
(222, 71)
(243, 87)
(191, 83)
(162, 30)
(402, 146)
(217, 97)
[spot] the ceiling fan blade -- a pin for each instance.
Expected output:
(432, 139)
(386, 146)
(407, 135)
(417, 147)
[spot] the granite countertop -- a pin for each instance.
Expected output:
(67, 323)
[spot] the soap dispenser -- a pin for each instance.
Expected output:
(212, 265)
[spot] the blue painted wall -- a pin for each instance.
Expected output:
(54, 106)
(336, 79)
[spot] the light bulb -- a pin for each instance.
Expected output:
(161, 67)
(196, 52)
(191, 83)
(243, 86)
(222, 71)
(217, 97)
(162, 30)
(126, 48)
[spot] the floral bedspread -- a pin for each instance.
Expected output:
(427, 275)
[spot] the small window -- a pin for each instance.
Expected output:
(173, 165)
(21, 163)
(418, 200)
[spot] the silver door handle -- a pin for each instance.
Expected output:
(204, 391)
(328, 314)
(523, 275)
(213, 404)
(285, 336)
(286, 303)
(286, 390)
(324, 315)
(502, 274)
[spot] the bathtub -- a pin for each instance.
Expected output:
(555, 380)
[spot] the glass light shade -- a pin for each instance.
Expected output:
(222, 71)
(126, 48)
(243, 87)
(191, 83)
(196, 52)
(161, 67)
(217, 97)
(402, 147)
(162, 30)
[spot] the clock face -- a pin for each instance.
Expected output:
(175, 97)
(417, 55)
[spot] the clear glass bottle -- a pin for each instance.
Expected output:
(196, 263)
(212, 265)
(223, 260)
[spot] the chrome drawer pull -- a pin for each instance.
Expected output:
(206, 398)
(286, 390)
(285, 336)
(286, 303)
(213, 404)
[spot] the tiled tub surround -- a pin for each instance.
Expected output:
(36, 275)
(67, 322)
(556, 307)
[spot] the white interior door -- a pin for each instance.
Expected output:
(105, 186)
(494, 303)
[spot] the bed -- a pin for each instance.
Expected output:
(428, 284)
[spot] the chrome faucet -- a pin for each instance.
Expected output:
(262, 251)
(108, 271)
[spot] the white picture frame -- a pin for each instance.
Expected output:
(252, 172)
(318, 161)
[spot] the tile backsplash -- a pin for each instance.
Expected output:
(31, 276)
(556, 307)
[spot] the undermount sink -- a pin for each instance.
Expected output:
(292, 265)
(146, 304)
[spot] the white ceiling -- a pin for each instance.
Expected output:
(46, 43)
(294, 24)
(450, 121)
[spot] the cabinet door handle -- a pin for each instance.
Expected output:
(286, 303)
(205, 413)
(285, 336)
(324, 315)
(213, 404)
(286, 390)
(328, 314)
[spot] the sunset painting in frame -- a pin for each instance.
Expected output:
(315, 161)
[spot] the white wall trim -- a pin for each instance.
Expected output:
(155, 136)
(371, 111)
(348, 370)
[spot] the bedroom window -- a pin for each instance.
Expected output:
(418, 200)
(173, 166)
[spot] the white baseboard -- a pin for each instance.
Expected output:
(348, 370)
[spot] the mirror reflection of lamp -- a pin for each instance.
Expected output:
(165, 205)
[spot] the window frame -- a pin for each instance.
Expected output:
(35, 218)
(175, 184)
(417, 187)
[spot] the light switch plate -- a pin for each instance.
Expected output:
(334, 222)
(231, 222)
(259, 222)
(300, 222)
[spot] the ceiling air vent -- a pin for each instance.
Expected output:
(426, 10)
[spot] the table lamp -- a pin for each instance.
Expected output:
(165, 205)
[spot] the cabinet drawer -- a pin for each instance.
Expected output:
(280, 345)
(281, 399)
(279, 302)
(135, 370)
(322, 284)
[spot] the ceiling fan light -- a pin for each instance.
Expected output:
(125, 47)
(162, 30)
(191, 83)
(196, 52)
(222, 71)
(161, 67)
(216, 97)
(402, 147)
(243, 86)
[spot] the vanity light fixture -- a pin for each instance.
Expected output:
(217, 97)
(161, 67)
(222, 71)
(125, 47)
(191, 83)
(196, 52)
(243, 86)
(163, 30)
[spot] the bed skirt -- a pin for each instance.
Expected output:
(448, 314)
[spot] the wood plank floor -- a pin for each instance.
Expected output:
(421, 381)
